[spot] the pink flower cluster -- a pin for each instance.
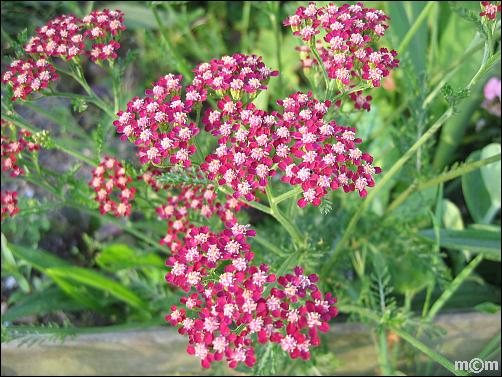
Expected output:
(159, 124)
(12, 146)
(315, 154)
(244, 157)
(239, 76)
(231, 303)
(65, 37)
(28, 76)
(490, 9)
(114, 192)
(68, 36)
(348, 32)
(321, 156)
(9, 204)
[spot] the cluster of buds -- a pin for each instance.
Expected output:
(9, 204)
(348, 34)
(159, 124)
(12, 145)
(114, 192)
(239, 76)
(28, 76)
(489, 10)
(231, 303)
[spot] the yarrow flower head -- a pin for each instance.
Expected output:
(113, 188)
(68, 36)
(159, 124)
(28, 76)
(61, 37)
(14, 143)
(239, 76)
(231, 303)
(489, 10)
(9, 204)
(243, 159)
(348, 34)
(311, 152)
(323, 155)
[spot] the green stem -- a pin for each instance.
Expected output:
(428, 297)
(383, 352)
(279, 216)
(453, 286)
(452, 174)
(313, 48)
(269, 245)
(287, 195)
(437, 357)
(58, 143)
(78, 75)
(414, 29)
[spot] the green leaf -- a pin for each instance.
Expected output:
(475, 240)
(95, 280)
(452, 217)
(488, 307)
(491, 174)
(42, 260)
(41, 303)
(7, 256)
(37, 258)
(476, 195)
(118, 257)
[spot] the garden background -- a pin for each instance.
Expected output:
(424, 243)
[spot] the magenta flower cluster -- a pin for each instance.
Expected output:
(66, 37)
(230, 302)
(236, 76)
(12, 145)
(159, 124)
(348, 35)
(8, 201)
(113, 189)
(28, 76)
(311, 152)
